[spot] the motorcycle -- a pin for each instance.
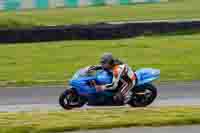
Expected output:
(81, 90)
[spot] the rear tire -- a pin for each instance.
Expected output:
(69, 99)
(143, 95)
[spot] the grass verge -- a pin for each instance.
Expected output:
(55, 62)
(60, 121)
(174, 9)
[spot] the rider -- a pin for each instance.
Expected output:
(123, 77)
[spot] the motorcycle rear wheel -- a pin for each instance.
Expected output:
(143, 95)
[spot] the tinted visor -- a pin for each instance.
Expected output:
(106, 62)
(103, 62)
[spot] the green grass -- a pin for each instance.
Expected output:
(60, 121)
(177, 56)
(174, 9)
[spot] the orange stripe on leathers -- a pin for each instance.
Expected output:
(133, 77)
(116, 71)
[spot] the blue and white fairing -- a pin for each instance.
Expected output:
(81, 79)
(147, 75)
(101, 77)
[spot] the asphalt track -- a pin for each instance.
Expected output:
(182, 129)
(46, 98)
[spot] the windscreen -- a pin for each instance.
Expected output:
(83, 73)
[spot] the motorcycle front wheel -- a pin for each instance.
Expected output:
(69, 99)
(143, 95)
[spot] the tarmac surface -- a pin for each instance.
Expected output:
(46, 98)
(178, 129)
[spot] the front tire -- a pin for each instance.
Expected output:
(69, 99)
(143, 95)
